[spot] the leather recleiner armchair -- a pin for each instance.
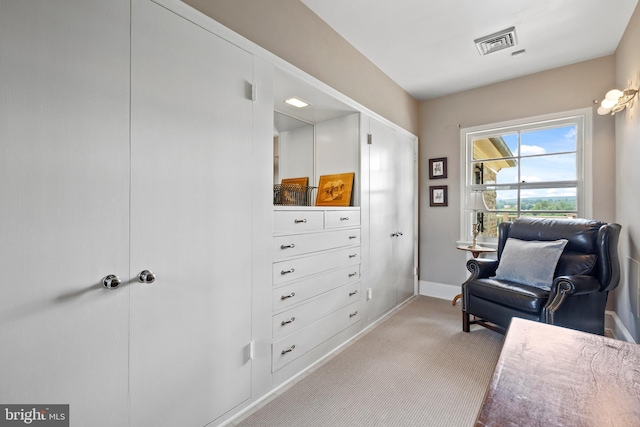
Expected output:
(588, 268)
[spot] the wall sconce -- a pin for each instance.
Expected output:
(476, 204)
(617, 100)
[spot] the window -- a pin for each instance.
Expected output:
(532, 167)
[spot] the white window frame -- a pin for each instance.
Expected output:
(581, 117)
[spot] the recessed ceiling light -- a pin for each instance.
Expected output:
(296, 102)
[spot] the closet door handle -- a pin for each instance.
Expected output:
(146, 276)
(111, 281)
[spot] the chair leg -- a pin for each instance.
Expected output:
(465, 321)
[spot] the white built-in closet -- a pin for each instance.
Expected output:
(136, 151)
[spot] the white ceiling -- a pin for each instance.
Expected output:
(427, 46)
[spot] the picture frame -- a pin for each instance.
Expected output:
(438, 168)
(335, 190)
(293, 191)
(304, 181)
(438, 195)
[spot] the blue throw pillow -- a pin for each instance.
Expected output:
(530, 262)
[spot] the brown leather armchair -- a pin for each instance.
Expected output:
(576, 295)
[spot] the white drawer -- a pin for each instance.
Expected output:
(297, 292)
(297, 221)
(293, 269)
(294, 345)
(300, 316)
(346, 218)
(299, 244)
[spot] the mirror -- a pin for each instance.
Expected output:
(293, 148)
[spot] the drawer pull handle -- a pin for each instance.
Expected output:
(298, 221)
(353, 274)
(344, 218)
(353, 255)
(288, 246)
(288, 350)
(285, 322)
(353, 237)
(352, 293)
(291, 295)
(283, 272)
(355, 313)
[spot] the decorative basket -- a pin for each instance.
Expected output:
(293, 195)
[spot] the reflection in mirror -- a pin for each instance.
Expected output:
(293, 144)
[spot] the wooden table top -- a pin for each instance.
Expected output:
(481, 249)
(552, 376)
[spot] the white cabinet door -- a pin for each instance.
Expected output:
(392, 169)
(64, 189)
(382, 216)
(190, 221)
(406, 197)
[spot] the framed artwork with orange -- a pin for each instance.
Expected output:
(296, 181)
(294, 191)
(335, 190)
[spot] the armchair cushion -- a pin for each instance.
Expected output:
(531, 263)
(520, 297)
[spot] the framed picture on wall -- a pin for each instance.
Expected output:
(438, 168)
(438, 195)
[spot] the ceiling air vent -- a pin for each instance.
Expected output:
(496, 41)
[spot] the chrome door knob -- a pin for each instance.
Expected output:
(111, 281)
(146, 276)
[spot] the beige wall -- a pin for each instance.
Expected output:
(290, 30)
(562, 89)
(627, 172)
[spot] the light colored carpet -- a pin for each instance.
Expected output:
(416, 368)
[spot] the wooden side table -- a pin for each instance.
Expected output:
(475, 252)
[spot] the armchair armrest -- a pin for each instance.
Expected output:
(564, 287)
(481, 268)
(574, 285)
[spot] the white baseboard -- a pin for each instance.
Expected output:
(438, 290)
(613, 322)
